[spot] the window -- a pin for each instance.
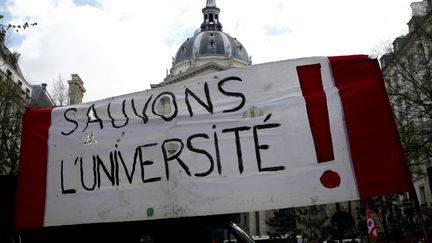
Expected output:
(422, 193)
(27, 94)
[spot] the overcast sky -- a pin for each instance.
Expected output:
(119, 47)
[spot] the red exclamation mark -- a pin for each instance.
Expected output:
(316, 107)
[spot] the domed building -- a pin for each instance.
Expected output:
(208, 50)
(211, 50)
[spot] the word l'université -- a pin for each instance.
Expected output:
(125, 166)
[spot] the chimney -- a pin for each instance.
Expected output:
(76, 89)
(44, 86)
(419, 9)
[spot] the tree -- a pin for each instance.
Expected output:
(60, 92)
(395, 218)
(17, 27)
(407, 69)
(12, 106)
(283, 222)
(408, 74)
(313, 219)
(310, 222)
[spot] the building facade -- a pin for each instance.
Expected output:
(10, 70)
(407, 69)
(34, 95)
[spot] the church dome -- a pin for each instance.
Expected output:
(211, 44)
(209, 49)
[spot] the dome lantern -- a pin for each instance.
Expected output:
(211, 17)
(208, 50)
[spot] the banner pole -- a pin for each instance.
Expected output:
(419, 214)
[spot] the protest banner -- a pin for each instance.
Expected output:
(276, 135)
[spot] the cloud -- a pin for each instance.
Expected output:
(120, 47)
(93, 3)
(276, 30)
(114, 51)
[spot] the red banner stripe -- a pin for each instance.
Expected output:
(376, 151)
(316, 106)
(31, 188)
